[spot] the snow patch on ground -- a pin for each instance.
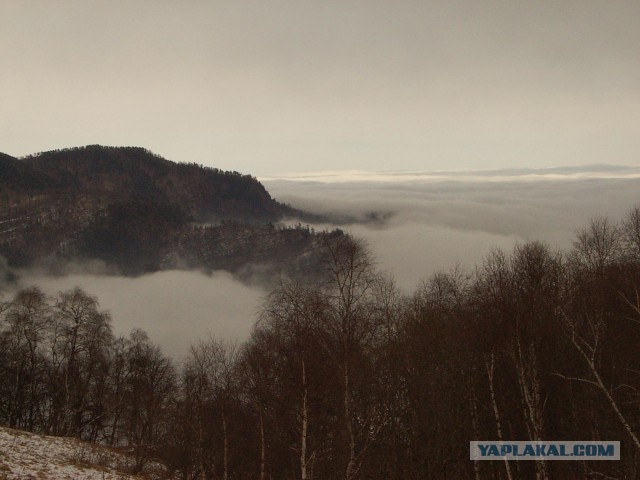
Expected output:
(27, 456)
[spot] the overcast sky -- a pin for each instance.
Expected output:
(268, 87)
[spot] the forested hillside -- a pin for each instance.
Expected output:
(348, 378)
(138, 213)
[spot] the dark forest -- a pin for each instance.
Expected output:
(348, 378)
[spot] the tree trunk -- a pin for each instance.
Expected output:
(225, 455)
(305, 420)
(476, 430)
(351, 466)
(528, 381)
(601, 386)
(496, 413)
(203, 469)
(262, 447)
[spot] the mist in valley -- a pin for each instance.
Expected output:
(176, 308)
(357, 236)
(414, 224)
(419, 223)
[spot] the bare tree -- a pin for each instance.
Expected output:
(588, 346)
(294, 314)
(537, 275)
(260, 383)
(118, 381)
(598, 245)
(213, 363)
(631, 233)
(490, 369)
(353, 321)
(27, 319)
(80, 344)
(151, 385)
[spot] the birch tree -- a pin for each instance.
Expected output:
(294, 315)
(81, 341)
(353, 321)
(212, 363)
(27, 322)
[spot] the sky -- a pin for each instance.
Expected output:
(273, 87)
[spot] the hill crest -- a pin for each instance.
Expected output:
(139, 212)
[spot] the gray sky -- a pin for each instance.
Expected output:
(286, 86)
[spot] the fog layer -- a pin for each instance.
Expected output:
(176, 308)
(414, 223)
(420, 222)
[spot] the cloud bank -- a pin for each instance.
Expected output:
(415, 224)
(176, 308)
(421, 222)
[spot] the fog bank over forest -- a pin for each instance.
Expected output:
(176, 308)
(417, 223)
(414, 223)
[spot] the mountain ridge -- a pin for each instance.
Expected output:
(140, 212)
(135, 171)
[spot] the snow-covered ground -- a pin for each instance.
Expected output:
(26, 456)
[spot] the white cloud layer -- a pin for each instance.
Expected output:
(423, 222)
(461, 176)
(413, 227)
(176, 308)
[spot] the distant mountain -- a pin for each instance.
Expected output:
(130, 172)
(139, 212)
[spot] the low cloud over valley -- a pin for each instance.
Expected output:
(420, 222)
(414, 223)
